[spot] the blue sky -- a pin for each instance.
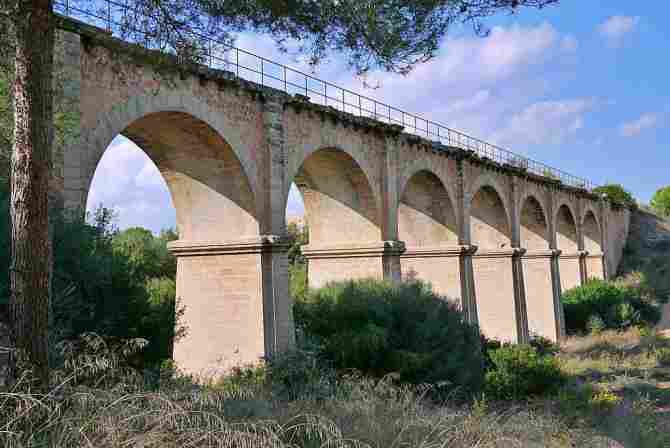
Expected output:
(582, 87)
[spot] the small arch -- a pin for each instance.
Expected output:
(425, 164)
(489, 220)
(295, 166)
(340, 204)
(534, 226)
(592, 233)
(490, 181)
(566, 230)
(426, 216)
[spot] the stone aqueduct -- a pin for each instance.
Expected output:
(379, 203)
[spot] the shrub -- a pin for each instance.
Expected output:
(519, 372)
(660, 202)
(380, 328)
(617, 194)
(606, 305)
(595, 325)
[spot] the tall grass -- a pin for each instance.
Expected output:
(360, 412)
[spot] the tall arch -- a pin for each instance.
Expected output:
(235, 311)
(566, 230)
(592, 233)
(489, 220)
(426, 215)
(567, 241)
(534, 230)
(96, 137)
(594, 263)
(340, 205)
(343, 216)
(495, 276)
(541, 297)
(428, 226)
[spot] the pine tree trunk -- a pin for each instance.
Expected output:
(31, 265)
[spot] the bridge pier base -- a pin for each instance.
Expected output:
(439, 266)
(543, 298)
(594, 266)
(500, 296)
(237, 308)
(570, 266)
(340, 262)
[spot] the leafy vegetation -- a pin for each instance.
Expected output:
(617, 194)
(379, 328)
(520, 371)
(601, 305)
(660, 202)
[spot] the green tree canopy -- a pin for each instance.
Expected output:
(617, 194)
(660, 202)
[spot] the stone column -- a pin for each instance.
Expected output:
(543, 293)
(496, 281)
(520, 306)
(353, 261)
(235, 307)
(468, 293)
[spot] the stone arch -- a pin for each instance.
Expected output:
(567, 239)
(534, 229)
(341, 206)
(490, 227)
(490, 181)
(592, 233)
(425, 164)
(426, 213)
(113, 122)
(296, 165)
(208, 182)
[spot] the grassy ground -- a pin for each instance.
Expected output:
(627, 375)
(618, 395)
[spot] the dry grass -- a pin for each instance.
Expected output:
(626, 370)
(361, 413)
(595, 410)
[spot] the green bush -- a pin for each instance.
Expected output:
(660, 202)
(380, 328)
(617, 194)
(519, 372)
(607, 305)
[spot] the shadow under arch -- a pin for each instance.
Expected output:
(339, 202)
(592, 233)
(566, 230)
(489, 223)
(426, 216)
(534, 229)
(211, 194)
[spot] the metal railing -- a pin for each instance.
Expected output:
(111, 15)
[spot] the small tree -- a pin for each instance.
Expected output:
(660, 202)
(617, 194)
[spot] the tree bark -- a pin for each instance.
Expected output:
(31, 264)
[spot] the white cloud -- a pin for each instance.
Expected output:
(546, 122)
(127, 181)
(635, 127)
(616, 28)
